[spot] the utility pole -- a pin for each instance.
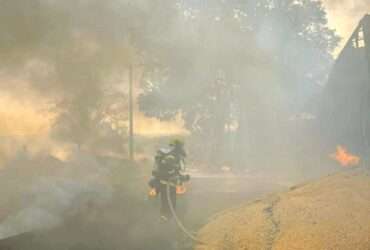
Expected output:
(131, 113)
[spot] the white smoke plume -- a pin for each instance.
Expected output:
(60, 191)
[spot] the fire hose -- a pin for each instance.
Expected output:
(181, 225)
(177, 220)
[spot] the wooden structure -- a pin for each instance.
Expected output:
(344, 115)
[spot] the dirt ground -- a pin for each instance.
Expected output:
(331, 213)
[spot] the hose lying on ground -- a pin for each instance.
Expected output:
(177, 220)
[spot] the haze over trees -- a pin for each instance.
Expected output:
(236, 71)
(239, 71)
(75, 55)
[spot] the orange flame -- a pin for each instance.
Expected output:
(152, 192)
(180, 189)
(344, 157)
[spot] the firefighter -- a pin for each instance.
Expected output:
(167, 174)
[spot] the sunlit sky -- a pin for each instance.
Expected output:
(25, 118)
(344, 15)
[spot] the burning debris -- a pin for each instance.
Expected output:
(344, 158)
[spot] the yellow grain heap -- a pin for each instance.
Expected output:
(332, 213)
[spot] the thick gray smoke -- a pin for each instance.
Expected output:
(51, 191)
(75, 55)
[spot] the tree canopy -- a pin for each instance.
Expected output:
(228, 67)
(242, 68)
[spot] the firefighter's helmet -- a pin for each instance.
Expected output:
(177, 142)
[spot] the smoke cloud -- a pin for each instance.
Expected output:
(50, 192)
(74, 55)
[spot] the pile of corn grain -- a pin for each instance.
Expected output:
(332, 213)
